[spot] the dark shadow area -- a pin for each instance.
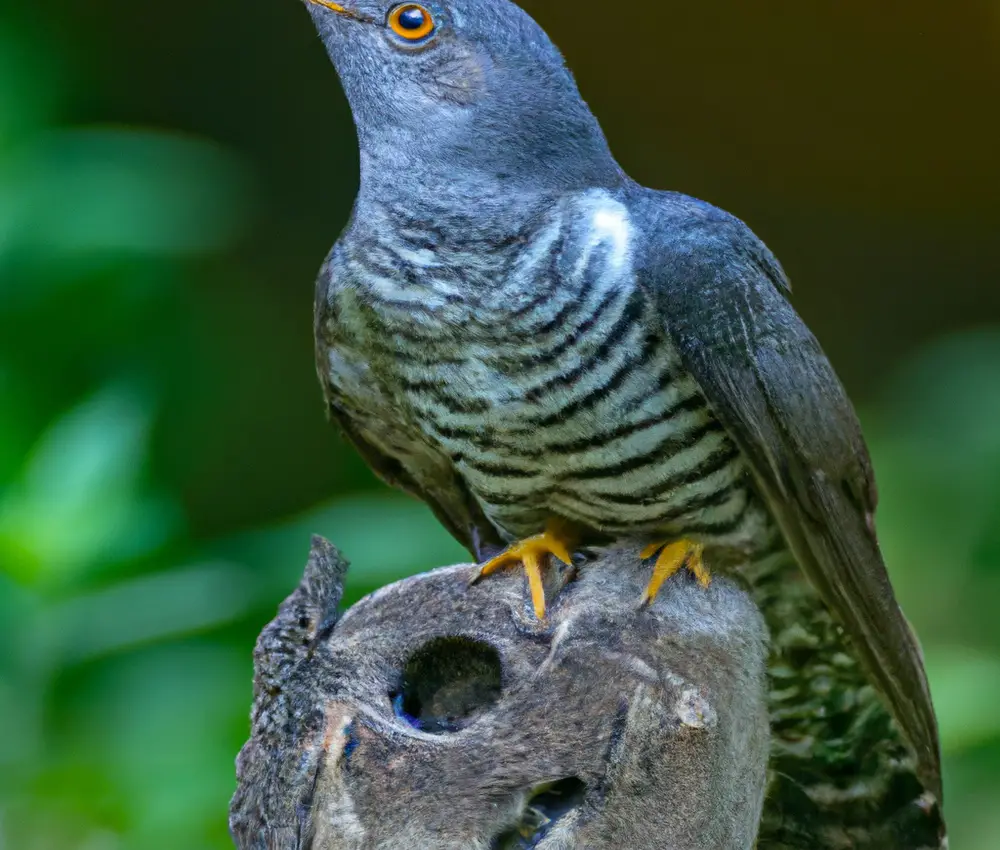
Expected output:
(447, 684)
(545, 807)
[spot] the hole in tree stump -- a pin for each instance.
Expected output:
(547, 804)
(447, 684)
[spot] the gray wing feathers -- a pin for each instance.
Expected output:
(770, 384)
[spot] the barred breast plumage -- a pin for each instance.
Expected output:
(538, 369)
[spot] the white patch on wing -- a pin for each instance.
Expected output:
(611, 224)
(609, 230)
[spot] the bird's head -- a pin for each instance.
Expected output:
(462, 89)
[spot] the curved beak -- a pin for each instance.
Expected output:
(334, 7)
(343, 11)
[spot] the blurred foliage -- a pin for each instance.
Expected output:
(126, 637)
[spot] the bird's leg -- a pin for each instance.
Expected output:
(483, 546)
(530, 552)
(671, 559)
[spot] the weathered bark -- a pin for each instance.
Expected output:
(438, 715)
(435, 715)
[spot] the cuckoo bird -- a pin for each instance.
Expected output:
(552, 355)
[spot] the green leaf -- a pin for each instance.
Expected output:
(81, 193)
(150, 608)
(80, 500)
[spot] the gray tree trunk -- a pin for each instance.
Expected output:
(435, 715)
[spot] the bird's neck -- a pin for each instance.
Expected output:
(457, 207)
(460, 204)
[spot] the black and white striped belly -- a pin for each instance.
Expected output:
(558, 391)
(610, 433)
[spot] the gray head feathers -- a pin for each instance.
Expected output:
(484, 95)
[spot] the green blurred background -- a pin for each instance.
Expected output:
(171, 176)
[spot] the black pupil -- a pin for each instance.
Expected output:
(412, 18)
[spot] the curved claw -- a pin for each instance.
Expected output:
(672, 558)
(530, 553)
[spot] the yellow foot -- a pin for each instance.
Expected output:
(530, 552)
(672, 558)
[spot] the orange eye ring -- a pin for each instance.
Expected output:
(411, 21)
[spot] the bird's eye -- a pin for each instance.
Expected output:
(411, 21)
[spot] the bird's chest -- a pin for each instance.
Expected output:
(490, 365)
(546, 382)
(411, 342)
(473, 336)
(435, 369)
